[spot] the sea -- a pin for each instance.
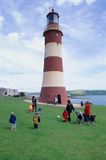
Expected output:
(94, 99)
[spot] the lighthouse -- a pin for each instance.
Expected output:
(53, 89)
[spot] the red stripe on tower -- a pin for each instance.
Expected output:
(53, 83)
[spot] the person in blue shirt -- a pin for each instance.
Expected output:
(12, 120)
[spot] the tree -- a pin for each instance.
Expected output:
(22, 94)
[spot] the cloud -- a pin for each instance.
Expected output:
(19, 39)
(20, 59)
(35, 44)
(75, 2)
(82, 31)
(1, 20)
(82, 27)
(18, 17)
(89, 2)
(13, 37)
(84, 72)
(60, 2)
(20, 68)
(26, 82)
(103, 16)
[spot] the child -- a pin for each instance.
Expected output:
(30, 109)
(39, 109)
(36, 120)
(65, 116)
(12, 120)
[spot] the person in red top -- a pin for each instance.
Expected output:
(65, 116)
(87, 111)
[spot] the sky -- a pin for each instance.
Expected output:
(22, 47)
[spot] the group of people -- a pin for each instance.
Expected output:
(32, 108)
(67, 112)
(36, 117)
(33, 105)
(12, 120)
(87, 117)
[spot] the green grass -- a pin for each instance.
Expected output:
(54, 140)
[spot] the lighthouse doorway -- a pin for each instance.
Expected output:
(59, 98)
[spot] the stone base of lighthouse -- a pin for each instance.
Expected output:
(48, 95)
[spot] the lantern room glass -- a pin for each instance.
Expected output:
(52, 18)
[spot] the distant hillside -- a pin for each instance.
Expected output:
(30, 94)
(73, 93)
(87, 92)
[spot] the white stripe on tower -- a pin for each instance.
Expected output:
(53, 79)
(53, 49)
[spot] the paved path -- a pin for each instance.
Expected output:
(59, 105)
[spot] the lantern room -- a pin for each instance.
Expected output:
(52, 17)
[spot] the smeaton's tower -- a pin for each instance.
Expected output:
(53, 88)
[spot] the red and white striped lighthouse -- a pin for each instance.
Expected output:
(53, 83)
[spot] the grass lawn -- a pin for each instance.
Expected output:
(54, 140)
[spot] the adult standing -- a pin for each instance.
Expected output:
(82, 104)
(55, 100)
(35, 104)
(87, 112)
(69, 109)
(33, 97)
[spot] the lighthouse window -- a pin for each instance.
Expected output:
(56, 18)
(53, 18)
